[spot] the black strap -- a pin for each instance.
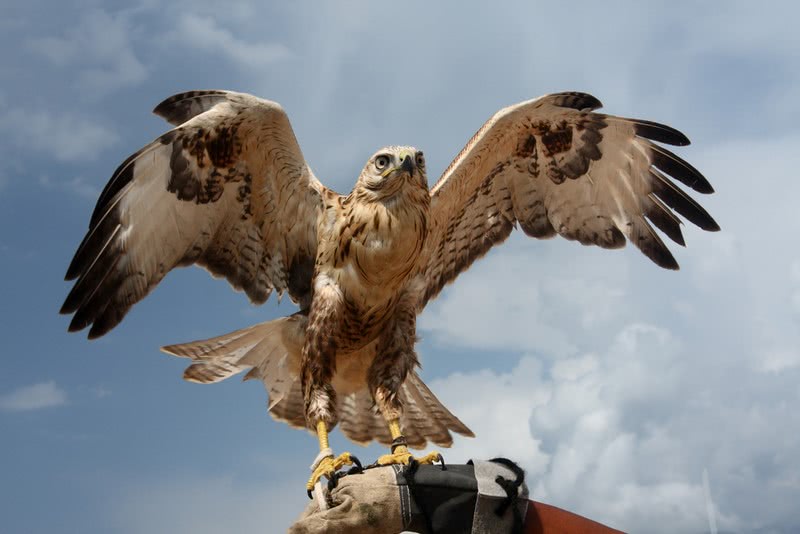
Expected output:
(511, 488)
(409, 474)
(398, 442)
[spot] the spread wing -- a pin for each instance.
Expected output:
(554, 167)
(227, 189)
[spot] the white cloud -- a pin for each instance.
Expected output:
(66, 136)
(497, 408)
(755, 277)
(623, 435)
(772, 34)
(34, 397)
(795, 278)
(204, 34)
(778, 360)
(101, 392)
(524, 295)
(99, 48)
(77, 185)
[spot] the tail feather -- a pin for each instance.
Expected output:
(424, 417)
(436, 409)
(271, 352)
(268, 349)
(217, 358)
(414, 419)
(290, 409)
(427, 421)
(359, 420)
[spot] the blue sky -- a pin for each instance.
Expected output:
(616, 384)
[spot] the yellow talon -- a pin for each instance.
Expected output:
(400, 454)
(327, 467)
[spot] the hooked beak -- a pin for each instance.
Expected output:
(408, 164)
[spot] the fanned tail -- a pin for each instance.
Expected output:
(270, 350)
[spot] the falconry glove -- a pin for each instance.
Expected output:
(481, 497)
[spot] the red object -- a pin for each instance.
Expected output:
(545, 519)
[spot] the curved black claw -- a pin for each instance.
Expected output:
(358, 465)
(335, 476)
(334, 480)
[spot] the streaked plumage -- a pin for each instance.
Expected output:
(228, 189)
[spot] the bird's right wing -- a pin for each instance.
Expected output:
(227, 189)
(553, 166)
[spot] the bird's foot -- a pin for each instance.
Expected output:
(401, 456)
(405, 458)
(327, 466)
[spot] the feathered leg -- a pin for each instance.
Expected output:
(396, 358)
(317, 367)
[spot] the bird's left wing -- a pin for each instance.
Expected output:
(554, 167)
(227, 189)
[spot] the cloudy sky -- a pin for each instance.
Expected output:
(652, 401)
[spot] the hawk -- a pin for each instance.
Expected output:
(228, 189)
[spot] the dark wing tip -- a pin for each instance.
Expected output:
(74, 299)
(655, 249)
(106, 321)
(660, 132)
(679, 169)
(702, 186)
(667, 261)
(65, 309)
(95, 333)
(576, 100)
(76, 326)
(682, 203)
(76, 266)
(706, 222)
(163, 108)
(667, 222)
(181, 107)
(123, 175)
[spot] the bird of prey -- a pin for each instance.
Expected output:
(228, 189)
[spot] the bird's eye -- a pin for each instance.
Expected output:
(381, 162)
(420, 159)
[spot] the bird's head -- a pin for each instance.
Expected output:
(391, 170)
